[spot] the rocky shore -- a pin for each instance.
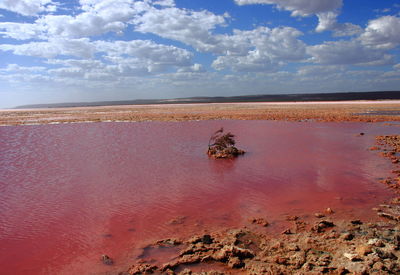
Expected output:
(323, 246)
(352, 247)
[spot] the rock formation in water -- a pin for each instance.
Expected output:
(222, 145)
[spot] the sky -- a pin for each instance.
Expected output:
(96, 50)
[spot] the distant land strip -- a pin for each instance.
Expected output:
(381, 95)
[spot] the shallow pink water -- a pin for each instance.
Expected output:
(70, 193)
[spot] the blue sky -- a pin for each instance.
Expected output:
(95, 50)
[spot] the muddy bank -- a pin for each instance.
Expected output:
(326, 246)
(323, 246)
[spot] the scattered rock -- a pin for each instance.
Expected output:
(287, 231)
(260, 221)
(383, 254)
(106, 260)
(292, 218)
(352, 257)
(142, 268)
(342, 271)
(329, 211)
(376, 242)
(235, 262)
(177, 220)
(388, 216)
(347, 236)
(319, 215)
(222, 145)
(281, 260)
(206, 239)
(321, 225)
(169, 241)
(364, 250)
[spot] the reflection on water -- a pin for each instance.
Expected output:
(70, 193)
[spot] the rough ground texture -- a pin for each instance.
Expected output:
(323, 247)
(229, 152)
(355, 111)
(389, 147)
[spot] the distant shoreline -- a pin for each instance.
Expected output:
(275, 98)
(332, 111)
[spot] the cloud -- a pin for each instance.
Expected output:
(318, 70)
(328, 21)
(382, 33)
(15, 68)
(255, 50)
(299, 7)
(261, 49)
(190, 27)
(347, 53)
(21, 31)
(326, 11)
(121, 58)
(28, 7)
(146, 51)
(54, 47)
(96, 18)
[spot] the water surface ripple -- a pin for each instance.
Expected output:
(69, 193)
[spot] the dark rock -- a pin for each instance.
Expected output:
(320, 226)
(292, 218)
(169, 241)
(388, 216)
(222, 145)
(385, 254)
(235, 262)
(348, 236)
(206, 239)
(342, 271)
(106, 260)
(281, 260)
(260, 221)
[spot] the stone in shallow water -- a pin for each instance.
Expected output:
(106, 260)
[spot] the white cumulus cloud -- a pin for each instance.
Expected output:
(190, 27)
(28, 7)
(261, 49)
(54, 47)
(382, 32)
(347, 53)
(299, 7)
(326, 11)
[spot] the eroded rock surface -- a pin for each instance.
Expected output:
(318, 248)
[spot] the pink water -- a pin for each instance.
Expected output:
(70, 193)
